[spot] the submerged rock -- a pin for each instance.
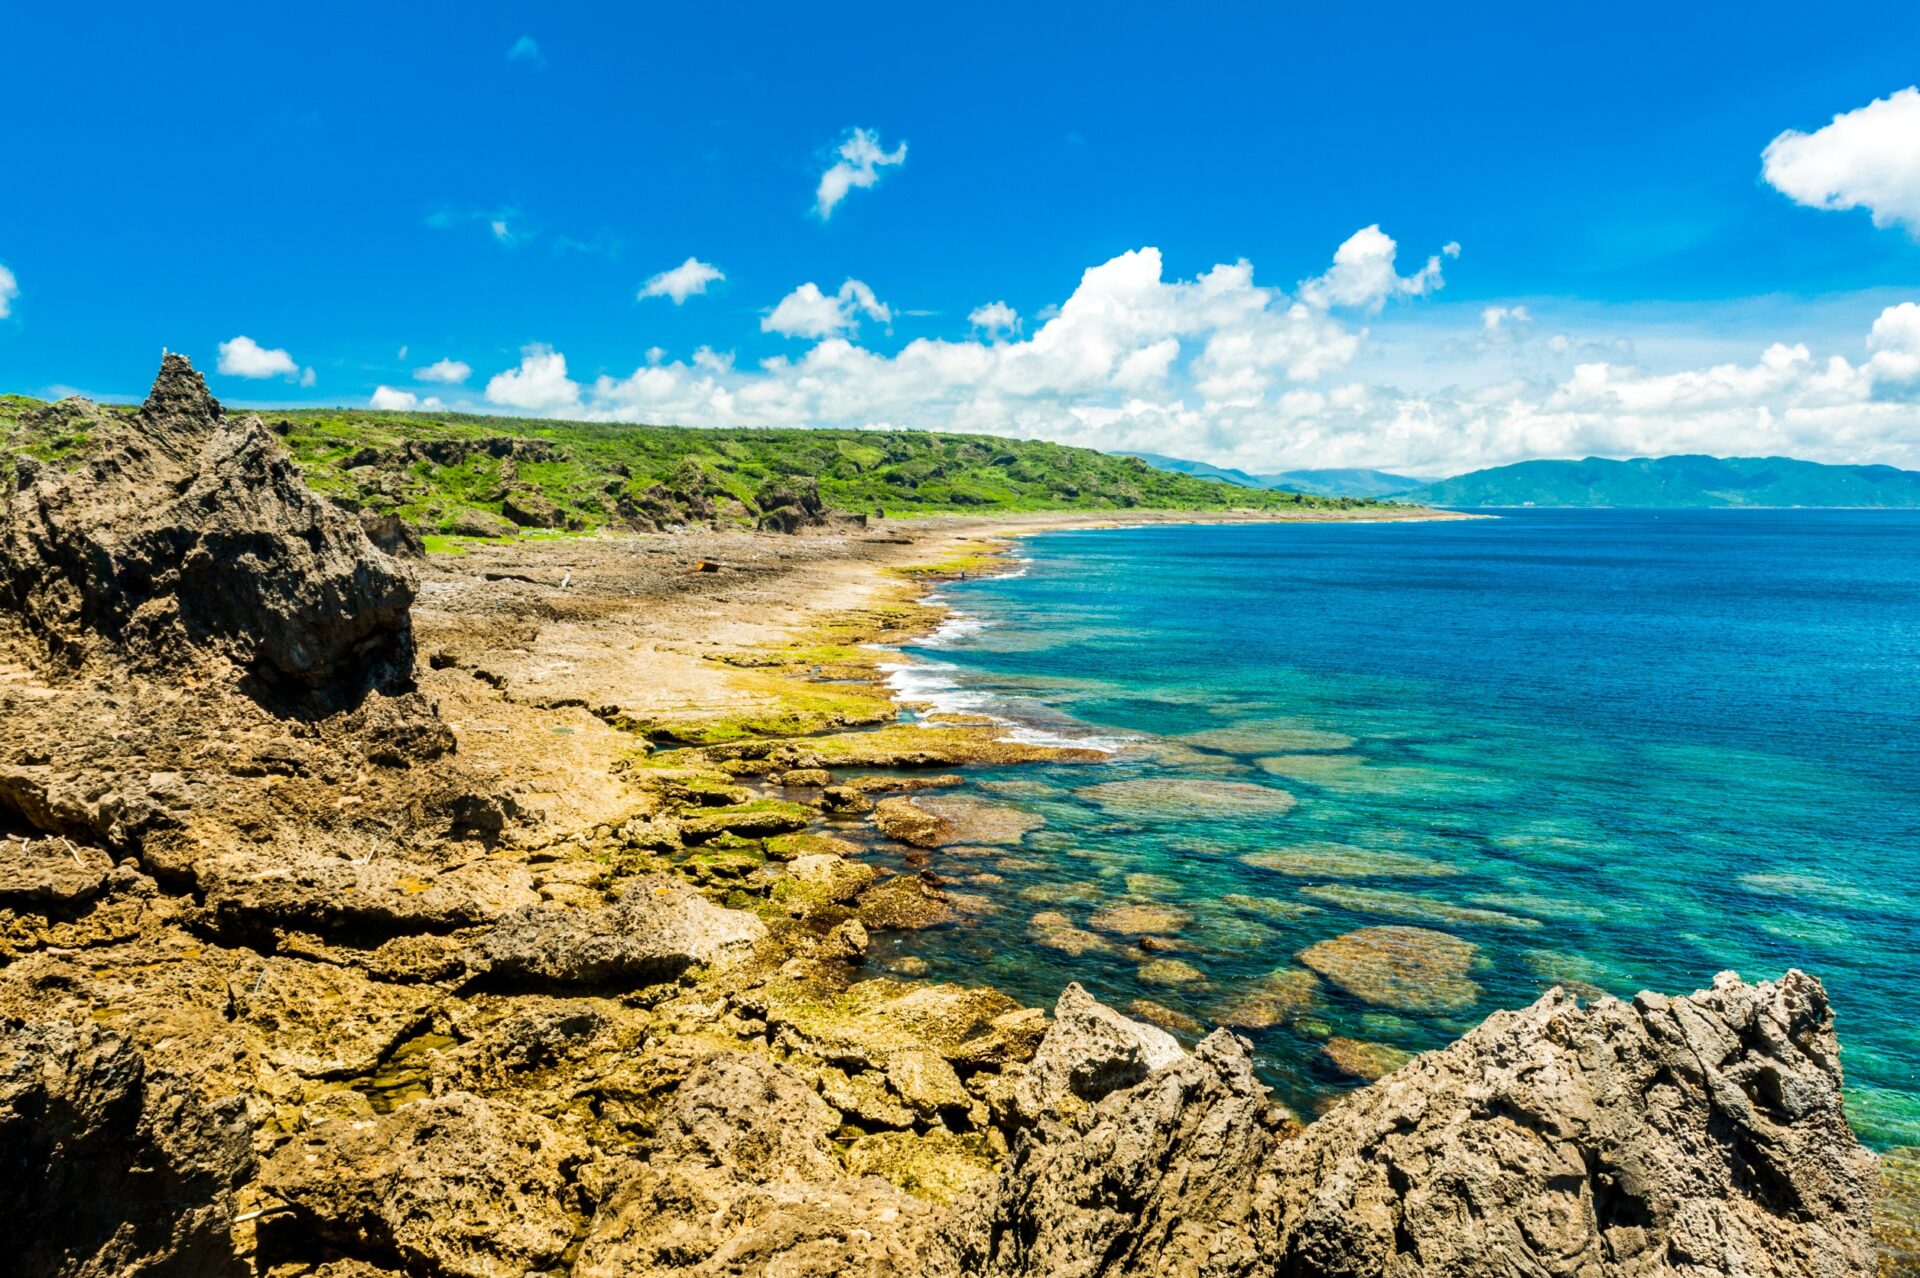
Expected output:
(1180, 799)
(1410, 969)
(1140, 919)
(1363, 1060)
(1344, 861)
(1412, 906)
(186, 533)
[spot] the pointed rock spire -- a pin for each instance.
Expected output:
(180, 394)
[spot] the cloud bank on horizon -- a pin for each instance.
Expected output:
(1222, 369)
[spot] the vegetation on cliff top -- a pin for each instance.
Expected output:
(461, 473)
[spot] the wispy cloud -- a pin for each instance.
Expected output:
(504, 226)
(688, 279)
(860, 159)
(1866, 159)
(527, 50)
(9, 289)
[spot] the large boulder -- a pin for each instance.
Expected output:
(107, 1169)
(1697, 1135)
(1168, 1177)
(185, 533)
(1673, 1136)
(1089, 1051)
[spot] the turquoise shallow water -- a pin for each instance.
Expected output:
(1622, 749)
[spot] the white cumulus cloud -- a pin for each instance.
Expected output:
(449, 372)
(1221, 368)
(402, 401)
(9, 289)
(1866, 159)
(995, 319)
(1364, 277)
(807, 312)
(244, 357)
(686, 280)
(539, 384)
(861, 157)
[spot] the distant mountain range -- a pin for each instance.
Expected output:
(1687, 480)
(1331, 483)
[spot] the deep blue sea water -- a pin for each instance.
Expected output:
(1621, 749)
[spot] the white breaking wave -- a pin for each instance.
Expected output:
(936, 688)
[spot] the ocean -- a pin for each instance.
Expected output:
(1607, 749)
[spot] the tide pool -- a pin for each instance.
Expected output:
(1370, 783)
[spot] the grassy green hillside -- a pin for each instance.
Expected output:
(1677, 481)
(457, 473)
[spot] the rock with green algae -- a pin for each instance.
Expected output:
(755, 818)
(818, 881)
(863, 1026)
(1366, 1061)
(1345, 861)
(904, 902)
(1182, 799)
(456, 1186)
(1413, 907)
(656, 929)
(936, 1167)
(1409, 969)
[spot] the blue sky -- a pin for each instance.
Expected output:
(495, 185)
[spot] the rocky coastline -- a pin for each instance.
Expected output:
(366, 915)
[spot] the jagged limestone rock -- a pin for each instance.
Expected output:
(185, 533)
(107, 1169)
(455, 1186)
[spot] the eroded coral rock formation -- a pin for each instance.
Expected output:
(1697, 1135)
(107, 1168)
(186, 532)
